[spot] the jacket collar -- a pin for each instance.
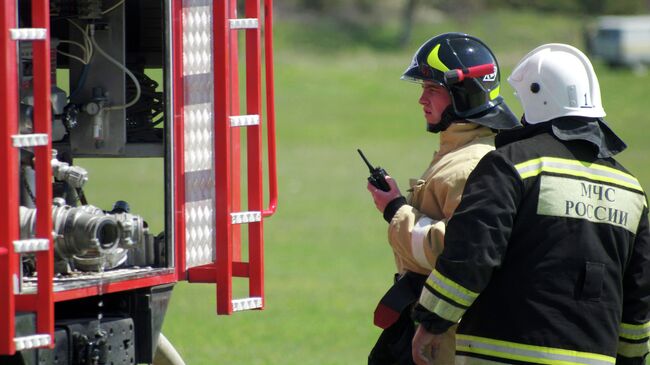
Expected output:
(592, 130)
(517, 134)
(460, 134)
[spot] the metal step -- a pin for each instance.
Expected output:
(244, 23)
(32, 342)
(244, 120)
(245, 217)
(31, 245)
(28, 34)
(30, 140)
(246, 304)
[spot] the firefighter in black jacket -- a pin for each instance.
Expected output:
(547, 257)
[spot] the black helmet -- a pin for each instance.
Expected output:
(474, 99)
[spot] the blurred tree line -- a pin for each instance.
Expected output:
(591, 7)
(339, 7)
(368, 14)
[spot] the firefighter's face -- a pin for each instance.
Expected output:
(434, 100)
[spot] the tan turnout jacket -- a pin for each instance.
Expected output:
(417, 231)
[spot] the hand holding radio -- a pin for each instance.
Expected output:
(377, 175)
(382, 187)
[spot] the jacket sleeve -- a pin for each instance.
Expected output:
(418, 239)
(634, 332)
(475, 243)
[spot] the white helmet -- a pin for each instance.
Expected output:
(556, 80)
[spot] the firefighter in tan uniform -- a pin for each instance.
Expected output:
(465, 111)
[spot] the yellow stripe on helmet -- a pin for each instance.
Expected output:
(434, 61)
(495, 93)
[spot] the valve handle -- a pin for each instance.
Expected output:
(458, 75)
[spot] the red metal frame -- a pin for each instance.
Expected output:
(227, 167)
(42, 302)
(222, 156)
(235, 133)
(254, 145)
(179, 139)
(43, 170)
(114, 287)
(8, 175)
(228, 263)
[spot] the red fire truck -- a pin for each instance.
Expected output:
(82, 284)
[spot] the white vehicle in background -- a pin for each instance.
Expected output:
(621, 40)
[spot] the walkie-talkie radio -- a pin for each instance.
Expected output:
(377, 175)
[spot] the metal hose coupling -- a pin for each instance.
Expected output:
(77, 230)
(133, 233)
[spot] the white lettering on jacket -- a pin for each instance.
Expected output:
(595, 202)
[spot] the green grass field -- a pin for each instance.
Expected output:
(327, 258)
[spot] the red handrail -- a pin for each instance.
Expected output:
(270, 109)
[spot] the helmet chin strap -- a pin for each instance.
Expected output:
(448, 116)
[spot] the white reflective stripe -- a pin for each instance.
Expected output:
(30, 140)
(450, 289)
(244, 23)
(577, 168)
(440, 307)
(628, 349)
(244, 120)
(246, 304)
(528, 353)
(32, 341)
(418, 235)
(31, 245)
(245, 217)
(634, 331)
(28, 34)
